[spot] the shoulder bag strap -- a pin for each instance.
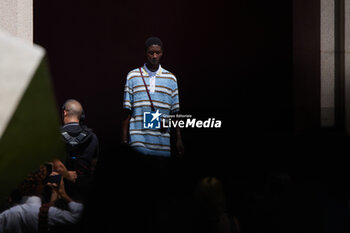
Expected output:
(149, 96)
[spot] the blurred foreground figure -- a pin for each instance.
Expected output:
(31, 215)
(211, 214)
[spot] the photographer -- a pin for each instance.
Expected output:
(33, 216)
(82, 149)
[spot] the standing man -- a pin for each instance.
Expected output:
(82, 148)
(150, 90)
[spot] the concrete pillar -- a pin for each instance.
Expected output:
(327, 56)
(29, 120)
(16, 17)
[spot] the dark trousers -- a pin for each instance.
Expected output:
(148, 192)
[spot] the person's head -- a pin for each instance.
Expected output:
(210, 196)
(33, 184)
(153, 51)
(72, 111)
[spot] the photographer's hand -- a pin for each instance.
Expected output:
(62, 192)
(61, 169)
(54, 192)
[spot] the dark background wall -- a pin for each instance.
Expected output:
(234, 62)
(306, 64)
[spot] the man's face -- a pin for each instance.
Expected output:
(154, 53)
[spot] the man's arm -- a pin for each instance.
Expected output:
(178, 140)
(61, 169)
(179, 144)
(126, 116)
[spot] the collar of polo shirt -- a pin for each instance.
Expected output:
(148, 72)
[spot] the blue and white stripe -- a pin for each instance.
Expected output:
(165, 99)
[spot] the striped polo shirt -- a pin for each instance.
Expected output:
(163, 89)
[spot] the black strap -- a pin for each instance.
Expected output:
(71, 140)
(74, 140)
(43, 224)
(149, 96)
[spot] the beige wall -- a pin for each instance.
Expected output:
(19, 57)
(16, 17)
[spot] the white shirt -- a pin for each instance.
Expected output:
(152, 78)
(24, 217)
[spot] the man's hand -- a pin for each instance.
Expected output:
(58, 191)
(126, 116)
(72, 176)
(61, 169)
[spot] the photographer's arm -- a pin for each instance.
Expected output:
(62, 217)
(58, 191)
(62, 170)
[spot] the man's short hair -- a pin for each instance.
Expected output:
(73, 108)
(153, 41)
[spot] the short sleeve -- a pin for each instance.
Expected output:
(128, 94)
(175, 103)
